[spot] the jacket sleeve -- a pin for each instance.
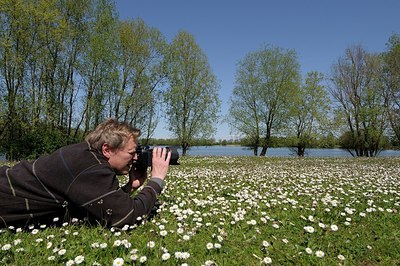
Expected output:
(97, 191)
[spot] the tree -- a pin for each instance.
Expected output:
(360, 96)
(310, 109)
(141, 73)
(191, 100)
(98, 69)
(41, 45)
(76, 16)
(391, 81)
(16, 41)
(245, 103)
(66, 65)
(266, 81)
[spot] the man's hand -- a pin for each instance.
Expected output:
(137, 176)
(160, 162)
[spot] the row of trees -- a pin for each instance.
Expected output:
(360, 100)
(65, 66)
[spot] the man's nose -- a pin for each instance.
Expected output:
(135, 157)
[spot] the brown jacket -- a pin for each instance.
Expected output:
(73, 182)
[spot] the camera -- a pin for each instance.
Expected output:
(145, 155)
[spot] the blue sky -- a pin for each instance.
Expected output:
(318, 30)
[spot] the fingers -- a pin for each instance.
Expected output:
(159, 152)
(168, 155)
(160, 163)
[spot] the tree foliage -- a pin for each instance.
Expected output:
(391, 82)
(361, 99)
(67, 65)
(310, 112)
(266, 81)
(141, 76)
(34, 83)
(191, 100)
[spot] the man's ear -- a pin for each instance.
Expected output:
(106, 150)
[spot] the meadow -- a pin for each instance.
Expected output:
(242, 211)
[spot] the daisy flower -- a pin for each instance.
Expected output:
(334, 227)
(118, 262)
(6, 247)
(308, 250)
(79, 259)
(165, 256)
(309, 229)
(61, 252)
(151, 244)
(319, 253)
(266, 260)
(143, 259)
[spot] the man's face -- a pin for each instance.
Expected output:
(121, 159)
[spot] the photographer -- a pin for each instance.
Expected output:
(80, 181)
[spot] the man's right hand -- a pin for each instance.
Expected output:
(160, 162)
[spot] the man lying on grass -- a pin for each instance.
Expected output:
(80, 181)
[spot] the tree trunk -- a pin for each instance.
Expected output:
(300, 151)
(265, 147)
(184, 148)
(255, 150)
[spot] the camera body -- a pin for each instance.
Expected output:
(145, 156)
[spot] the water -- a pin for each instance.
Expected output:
(273, 152)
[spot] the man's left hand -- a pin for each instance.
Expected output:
(137, 176)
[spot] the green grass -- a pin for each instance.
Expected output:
(244, 211)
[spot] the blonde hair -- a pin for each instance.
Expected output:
(114, 133)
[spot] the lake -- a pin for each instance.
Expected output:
(272, 152)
